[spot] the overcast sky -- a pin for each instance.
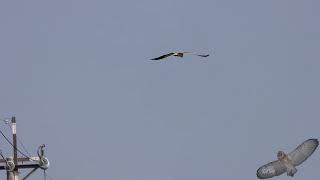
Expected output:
(77, 76)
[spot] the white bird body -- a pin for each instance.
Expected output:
(287, 162)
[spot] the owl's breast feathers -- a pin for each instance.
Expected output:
(286, 161)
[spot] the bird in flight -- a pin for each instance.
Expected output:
(178, 54)
(288, 162)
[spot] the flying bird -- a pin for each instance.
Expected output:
(178, 54)
(288, 162)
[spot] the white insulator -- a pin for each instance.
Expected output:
(44, 163)
(10, 165)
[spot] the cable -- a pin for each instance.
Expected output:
(16, 147)
(2, 156)
(46, 175)
(23, 147)
(7, 121)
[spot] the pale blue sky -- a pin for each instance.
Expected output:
(77, 76)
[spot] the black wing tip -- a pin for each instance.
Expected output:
(158, 58)
(204, 55)
(260, 177)
(163, 56)
(314, 140)
(258, 172)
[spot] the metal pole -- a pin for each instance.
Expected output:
(13, 164)
(15, 152)
(10, 175)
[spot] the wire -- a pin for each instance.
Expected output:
(23, 147)
(7, 121)
(20, 142)
(5, 137)
(7, 164)
(46, 175)
(2, 156)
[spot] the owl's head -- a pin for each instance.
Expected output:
(281, 155)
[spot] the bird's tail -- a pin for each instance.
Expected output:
(291, 171)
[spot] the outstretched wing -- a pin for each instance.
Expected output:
(163, 56)
(303, 151)
(203, 55)
(271, 169)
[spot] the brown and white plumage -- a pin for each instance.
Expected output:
(303, 151)
(178, 54)
(288, 162)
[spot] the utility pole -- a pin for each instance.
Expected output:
(13, 164)
(15, 152)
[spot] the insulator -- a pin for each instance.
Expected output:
(44, 162)
(10, 165)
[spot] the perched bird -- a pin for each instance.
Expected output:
(178, 54)
(288, 162)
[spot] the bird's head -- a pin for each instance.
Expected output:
(281, 155)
